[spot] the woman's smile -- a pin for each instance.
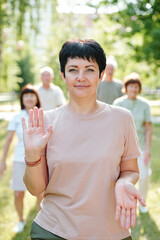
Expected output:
(81, 86)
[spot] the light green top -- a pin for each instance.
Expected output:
(108, 91)
(141, 113)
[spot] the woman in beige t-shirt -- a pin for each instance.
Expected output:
(87, 167)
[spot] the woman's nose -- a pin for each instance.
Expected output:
(81, 76)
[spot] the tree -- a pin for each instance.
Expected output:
(139, 25)
(26, 69)
(133, 32)
(13, 17)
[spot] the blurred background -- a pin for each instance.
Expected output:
(31, 35)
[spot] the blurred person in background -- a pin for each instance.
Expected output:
(140, 110)
(110, 88)
(28, 100)
(51, 96)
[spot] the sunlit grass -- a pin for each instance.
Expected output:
(148, 225)
(155, 111)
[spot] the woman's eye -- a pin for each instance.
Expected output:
(72, 70)
(90, 70)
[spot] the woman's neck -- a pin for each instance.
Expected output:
(132, 98)
(46, 86)
(109, 78)
(83, 106)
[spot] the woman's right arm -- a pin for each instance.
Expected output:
(9, 138)
(35, 140)
(36, 177)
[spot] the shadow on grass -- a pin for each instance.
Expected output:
(145, 228)
(25, 235)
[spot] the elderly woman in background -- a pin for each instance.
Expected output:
(140, 110)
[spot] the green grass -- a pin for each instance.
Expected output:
(147, 225)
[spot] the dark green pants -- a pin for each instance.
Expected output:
(39, 233)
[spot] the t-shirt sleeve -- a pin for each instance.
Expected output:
(147, 114)
(12, 124)
(131, 143)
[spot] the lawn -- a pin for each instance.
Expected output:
(147, 226)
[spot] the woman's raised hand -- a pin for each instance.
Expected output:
(34, 137)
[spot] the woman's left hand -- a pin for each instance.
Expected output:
(126, 203)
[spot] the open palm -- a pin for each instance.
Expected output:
(34, 136)
(126, 203)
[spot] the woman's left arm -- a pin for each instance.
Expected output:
(126, 194)
(148, 135)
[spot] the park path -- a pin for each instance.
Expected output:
(7, 111)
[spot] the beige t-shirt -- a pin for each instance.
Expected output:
(83, 156)
(50, 98)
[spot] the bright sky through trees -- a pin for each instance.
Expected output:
(80, 6)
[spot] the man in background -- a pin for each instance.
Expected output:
(110, 88)
(51, 96)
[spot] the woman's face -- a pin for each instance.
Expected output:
(46, 79)
(109, 70)
(133, 90)
(29, 100)
(81, 78)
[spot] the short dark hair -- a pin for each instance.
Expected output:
(29, 88)
(86, 49)
(132, 78)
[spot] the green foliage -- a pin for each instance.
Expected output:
(14, 12)
(5, 73)
(13, 17)
(132, 37)
(26, 70)
(140, 26)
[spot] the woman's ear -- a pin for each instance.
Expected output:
(63, 77)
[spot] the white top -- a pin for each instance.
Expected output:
(16, 125)
(50, 98)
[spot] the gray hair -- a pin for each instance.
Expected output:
(47, 69)
(112, 61)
